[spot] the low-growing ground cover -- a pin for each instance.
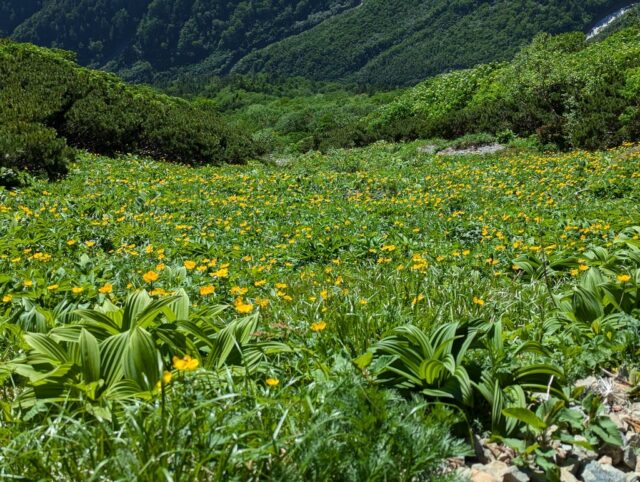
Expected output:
(302, 320)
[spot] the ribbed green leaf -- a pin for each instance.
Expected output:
(136, 303)
(112, 352)
(526, 416)
(89, 356)
(47, 347)
(142, 362)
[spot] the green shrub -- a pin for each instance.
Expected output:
(32, 148)
(47, 101)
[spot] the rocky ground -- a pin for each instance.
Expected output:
(494, 462)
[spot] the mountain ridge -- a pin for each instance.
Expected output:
(373, 42)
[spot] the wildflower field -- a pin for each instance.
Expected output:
(348, 316)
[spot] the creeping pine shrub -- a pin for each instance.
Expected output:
(49, 101)
(32, 148)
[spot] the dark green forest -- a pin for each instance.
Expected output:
(376, 42)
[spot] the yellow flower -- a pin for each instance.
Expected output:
(318, 326)
(186, 363)
(71, 242)
(242, 307)
(236, 290)
(89, 244)
(272, 382)
(107, 288)
(388, 248)
(478, 301)
(76, 290)
(166, 377)
(262, 302)
(7, 298)
(281, 286)
(53, 287)
(189, 264)
(417, 299)
(221, 273)
(150, 276)
(207, 290)
(624, 278)
(583, 267)
(262, 282)
(28, 283)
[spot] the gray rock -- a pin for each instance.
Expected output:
(630, 458)
(616, 454)
(588, 383)
(428, 149)
(515, 475)
(583, 454)
(567, 476)
(633, 477)
(595, 472)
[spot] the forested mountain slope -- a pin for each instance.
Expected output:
(384, 42)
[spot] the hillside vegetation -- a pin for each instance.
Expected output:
(563, 90)
(313, 321)
(47, 103)
(321, 40)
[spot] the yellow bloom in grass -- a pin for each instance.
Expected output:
(388, 248)
(417, 299)
(106, 289)
(478, 301)
(574, 272)
(237, 290)
(207, 290)
(185, 363)
(71, 242)
(89, 244)
(262, 302)
(242, 307)
(221, 273)
(281, 286)
(28, 283)
(159, 292)
(165, 380)
(189, 264)
(76, 290)
(7, 298)
(324, 294)
(53, 287)
(262, 282)
(623, 278)
(583, 267)
(150, 276)
(318, 326)
(272, 382)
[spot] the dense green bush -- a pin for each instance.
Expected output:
(566, 91)
(30, 148)
(47, 101)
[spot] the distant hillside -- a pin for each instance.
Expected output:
(384, 42)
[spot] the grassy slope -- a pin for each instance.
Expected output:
(341, 238)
